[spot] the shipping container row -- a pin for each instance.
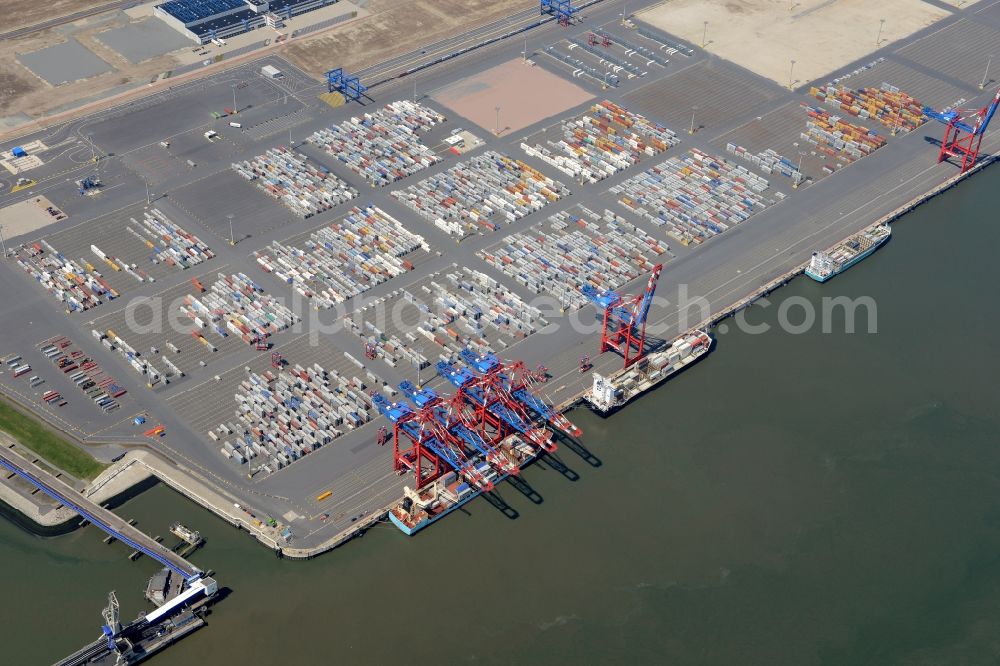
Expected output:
(695, 196)
(632, 48)
(65, 279)
(603, 141)
(604, 56)
(668, 45)
(384, 146)
(305, 188)
(364, 248)
(838, 139)
(574, 248)
(81, 285)
(167, 243)
(769, 161)
(579, 67)
(236, 305)
(285, 414)
(887, 104)
(152, 375)
(434, 319)
(481, 192)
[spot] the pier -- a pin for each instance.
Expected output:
(569, 402)
(104, 519)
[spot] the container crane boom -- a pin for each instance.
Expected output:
(457, 430)
(624, 326)
(476, 393)
(954, 143)
(421, 429)
(642, 310)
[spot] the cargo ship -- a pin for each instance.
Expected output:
(824, 265)
(609, 393)
(423, 507)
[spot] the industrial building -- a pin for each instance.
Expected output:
(205, 20)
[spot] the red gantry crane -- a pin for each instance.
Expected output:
(420, 444)
(964, 133)
(456, 416)
(624, 326)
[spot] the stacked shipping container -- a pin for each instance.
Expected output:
(479, 191)
(284, 415)
(577, 248)
(887, 104)
(602, 142)
(306, 189)
(342, 260)
(694, 197)
(383, 146)
(445, 313)
(81, 286)
(837, 138)
(235, 304)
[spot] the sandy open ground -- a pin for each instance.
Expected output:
(383, 29)
(21, 13)
(525, 95)
(819, 35)
(26, 216)
(396, 27)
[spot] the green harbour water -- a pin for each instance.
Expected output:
(792, 499)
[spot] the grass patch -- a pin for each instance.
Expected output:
(50, 446)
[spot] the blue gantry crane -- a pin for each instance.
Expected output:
(451, 415)
(514, 378)
(563, 10)
(420, 444)
(963, 134)
(624, 325)
(350, 86)
(494, 407)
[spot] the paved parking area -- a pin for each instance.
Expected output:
(524, 94)
(715, 93)
(155, 164)
(929, 90)
(211, 199)
(64, 63)
(164, 116)
(959, 50)
(144, 39)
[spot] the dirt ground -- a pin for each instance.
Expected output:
(21, 92)
(21, 13)
(396, 27)
(26, 216)
(525, 95)
(765, 35)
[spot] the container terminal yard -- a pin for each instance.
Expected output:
(405, 274)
